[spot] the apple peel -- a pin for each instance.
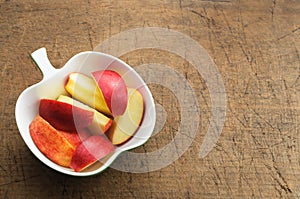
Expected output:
(89, 151)
(51, 142)
(64, 116)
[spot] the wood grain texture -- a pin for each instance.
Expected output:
(255, 45)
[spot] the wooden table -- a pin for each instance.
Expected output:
(254, 44)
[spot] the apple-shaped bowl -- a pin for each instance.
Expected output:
(52, 85)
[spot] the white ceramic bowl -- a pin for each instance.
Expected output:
(52, 85)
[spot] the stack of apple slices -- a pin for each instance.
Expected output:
(101, 113)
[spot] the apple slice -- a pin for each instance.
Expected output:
(124, 126)
(84, 89)
(76, 138)
(51, 142)
(89, 151)
(100, 122)
(64, 116)
(113, 89)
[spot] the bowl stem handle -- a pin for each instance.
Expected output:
(41, 59)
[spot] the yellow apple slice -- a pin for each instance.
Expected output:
(85, 89)
(124, 126)
(100, 122)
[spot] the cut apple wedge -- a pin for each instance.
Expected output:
(100, 122)
(51, 142)
(89, 151)
(113, 89)
(125, 126)
(63, 116)
(84, 89)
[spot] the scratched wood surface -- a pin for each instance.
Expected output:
(255, 45)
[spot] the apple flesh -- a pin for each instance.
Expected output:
(100, 122)
(51, 142)
(125, 126)
(84, 89)
(89, 151)
(63, 116)
(113, 89)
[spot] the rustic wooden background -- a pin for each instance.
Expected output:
(255, 45)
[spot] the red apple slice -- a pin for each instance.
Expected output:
(91, 150)
(51, 142)
(100, 123)
(113, 89)
(64, 116)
